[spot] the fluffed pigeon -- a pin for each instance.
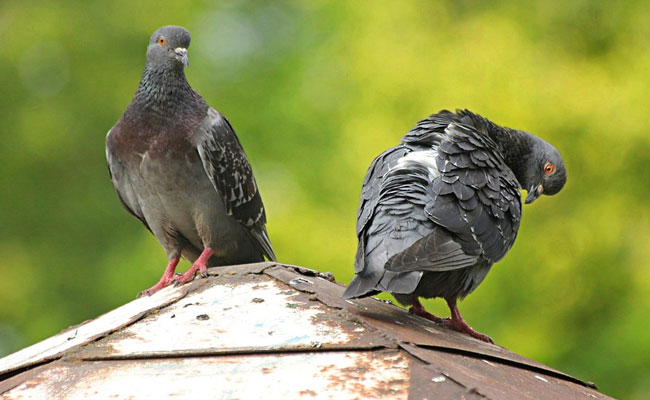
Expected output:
(177, 165)
(439, 209)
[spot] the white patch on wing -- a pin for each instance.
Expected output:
(423, 157)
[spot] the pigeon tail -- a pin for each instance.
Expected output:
(261, 239)
(361, 286)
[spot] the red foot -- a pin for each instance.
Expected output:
(418, 309)
(165, 280)
(457, 323)
(199, 265)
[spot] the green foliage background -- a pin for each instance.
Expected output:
(315, 90)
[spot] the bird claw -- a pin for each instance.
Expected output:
(198, 266)
(419, 310)
(164, 281)
(187, 277)
(481, 337)
(176, 282)
(456, 323)
(153, 289)
(461, 326)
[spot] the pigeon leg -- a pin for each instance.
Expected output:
(165, 279)
(457, 323)
(199, 265)
(418, 309)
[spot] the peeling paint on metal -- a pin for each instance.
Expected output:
(228, 317)
(86, 332)
(354, 375)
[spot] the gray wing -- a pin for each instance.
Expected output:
(226, 165)
(429, 131)
(122, 185)
(368, 271)
(438, 251)
(370, 191)
(475, 203)
(425, 135)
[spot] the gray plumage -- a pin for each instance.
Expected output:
(439, 209)
(177, 165)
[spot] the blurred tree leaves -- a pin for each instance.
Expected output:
(316, 90)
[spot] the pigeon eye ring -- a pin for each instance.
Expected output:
(549, 168)
(161, 41)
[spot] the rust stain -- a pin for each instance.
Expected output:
(499, 379)
(283, 376)
(392, 367)
(398, 325)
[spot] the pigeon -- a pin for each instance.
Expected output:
(443, 206)
(177, 166)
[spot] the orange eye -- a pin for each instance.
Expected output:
(549, 168)
(161, 41)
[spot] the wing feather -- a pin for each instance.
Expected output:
(231, 174)
(122, 185)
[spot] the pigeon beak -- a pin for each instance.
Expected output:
(181, 52)
(534, 192)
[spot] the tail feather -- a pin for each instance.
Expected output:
(362, 286)
(261, 239)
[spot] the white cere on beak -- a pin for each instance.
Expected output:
(182, 55)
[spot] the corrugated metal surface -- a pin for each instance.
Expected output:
(274, 331)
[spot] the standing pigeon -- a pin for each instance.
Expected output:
(438, 210)
(177, 165)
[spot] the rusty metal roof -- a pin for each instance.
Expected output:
(275, 331)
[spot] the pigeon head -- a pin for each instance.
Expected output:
(537, 165)
(168, 48)
(545, 172)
